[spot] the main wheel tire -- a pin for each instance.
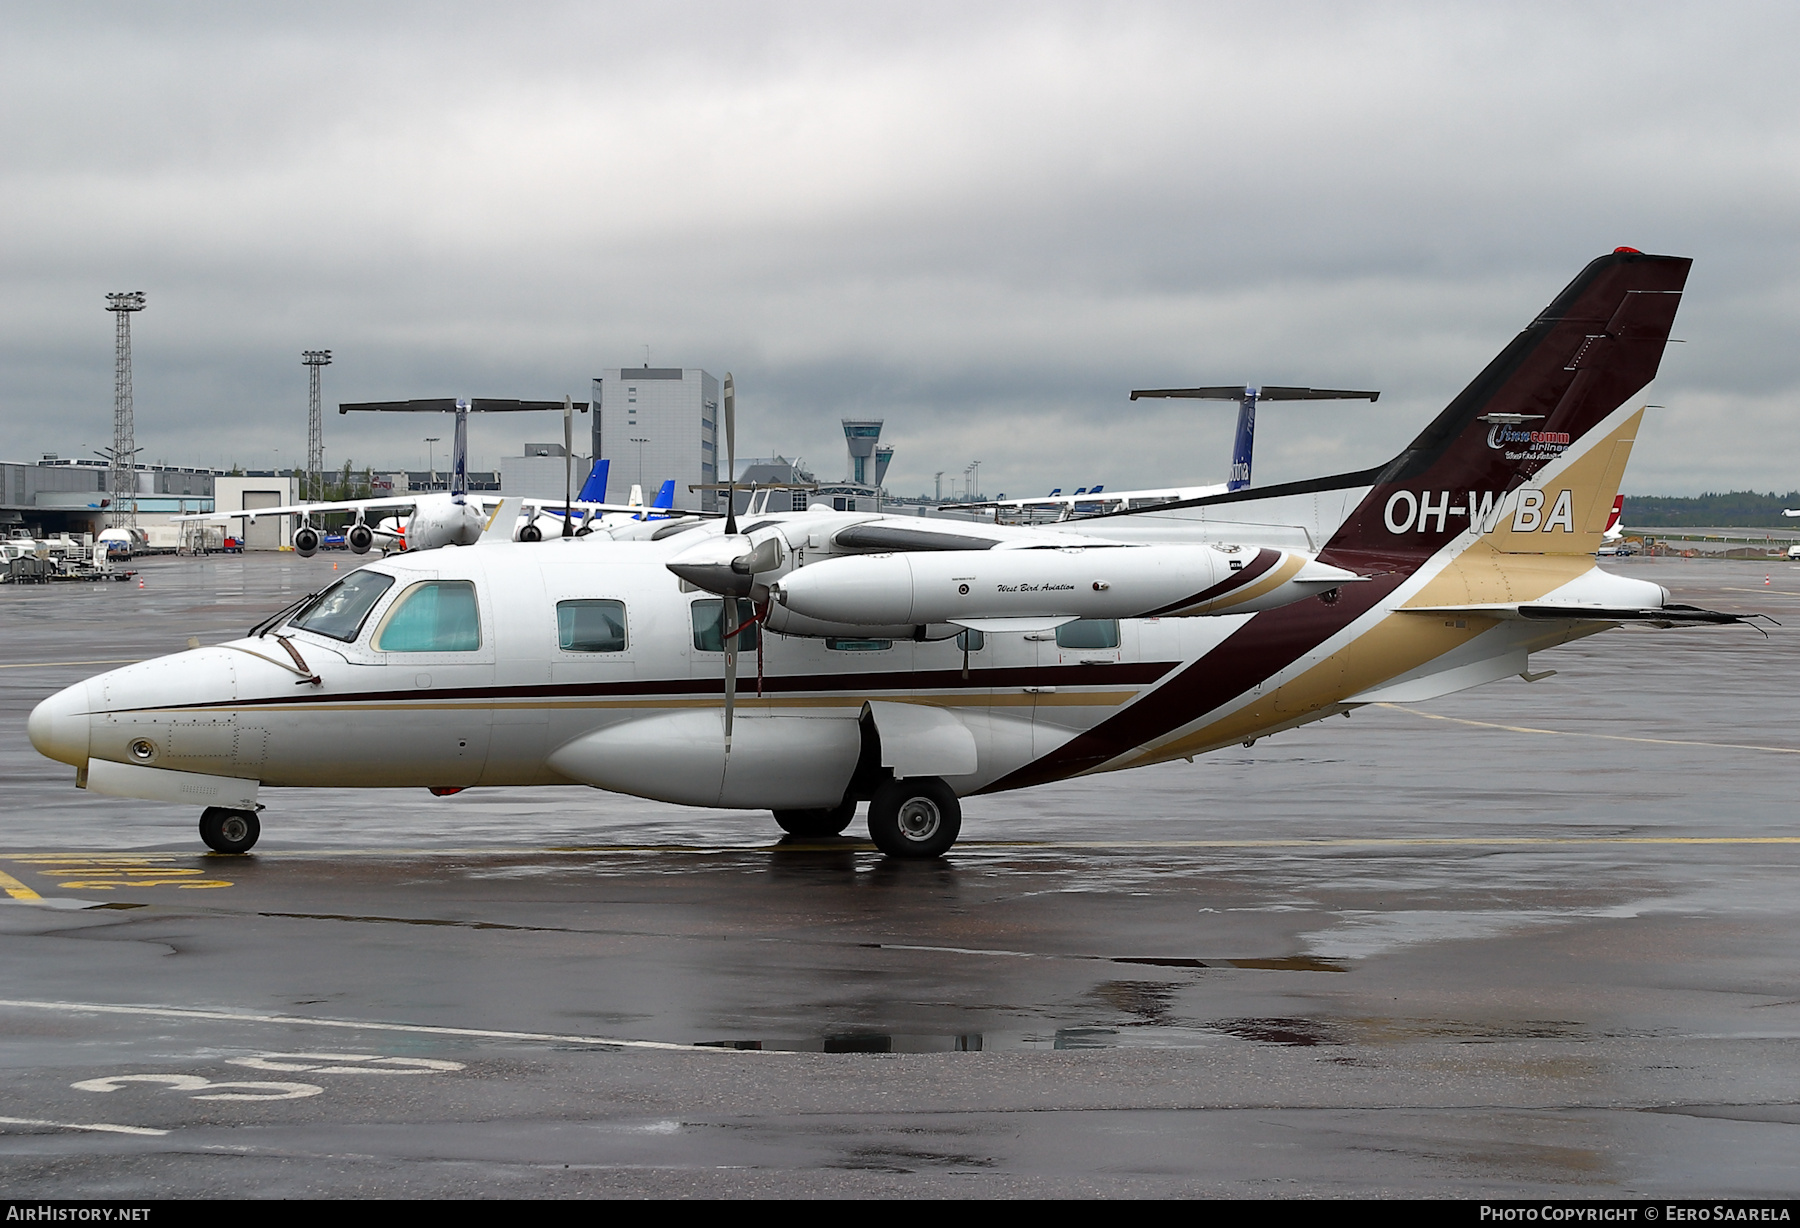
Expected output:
(817, 822)
(915, 818)
(229, 831)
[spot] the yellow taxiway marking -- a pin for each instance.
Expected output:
(172, 1012)
(1575, 733)
(16, 889)
(47, 664)
(104, 873)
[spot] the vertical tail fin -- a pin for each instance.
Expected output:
(1618, 509)
(1244, 444)
(459, 469)
(594, 489)
(665, 495)
(1518, 453)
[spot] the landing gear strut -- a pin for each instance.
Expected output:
(915, 818)
(817, 822)
(229, 831)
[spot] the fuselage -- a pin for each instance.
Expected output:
(586, 661)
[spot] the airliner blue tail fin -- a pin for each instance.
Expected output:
(594, 489)
(665, 495)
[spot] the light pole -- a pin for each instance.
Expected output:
(431, 451)
(315, 426)
(640, 441)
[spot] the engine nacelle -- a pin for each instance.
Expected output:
(306, 541)
(359, 537)
(531, 532)
(1085, 582)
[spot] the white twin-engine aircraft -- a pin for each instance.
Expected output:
(912, 663)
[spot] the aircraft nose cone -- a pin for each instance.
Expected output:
(59, 726)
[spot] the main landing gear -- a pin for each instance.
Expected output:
(915, 818)
(229, 831)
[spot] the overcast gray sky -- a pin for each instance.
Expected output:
(985, 223)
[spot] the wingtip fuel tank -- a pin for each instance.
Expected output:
(1083, 582)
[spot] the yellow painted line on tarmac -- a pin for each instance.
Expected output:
(1574, 733)
(104, 873)
(48, 664)
(16, 889)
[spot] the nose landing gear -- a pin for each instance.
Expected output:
(229, 831)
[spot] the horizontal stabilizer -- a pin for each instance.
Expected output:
(446, 405)
(1655, 616)
(1237, 392)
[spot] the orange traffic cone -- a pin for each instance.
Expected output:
(140, 584)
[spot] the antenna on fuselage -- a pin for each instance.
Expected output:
(1247, 395)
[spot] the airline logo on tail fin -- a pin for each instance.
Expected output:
(1244, 443)
(594, 489)
(665, 495)
(1612, 521)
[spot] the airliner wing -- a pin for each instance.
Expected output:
(308, 509)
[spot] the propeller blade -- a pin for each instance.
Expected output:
(728, 639)
(568, 467)
(730, 455)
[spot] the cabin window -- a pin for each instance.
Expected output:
(590, 626)
(437, 616)
(971, 640)
(709, 635)
(838, 644)
(1089, 633)
(339, 611)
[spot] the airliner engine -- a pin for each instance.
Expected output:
(1083, 582)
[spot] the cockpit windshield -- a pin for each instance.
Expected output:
(340, 610)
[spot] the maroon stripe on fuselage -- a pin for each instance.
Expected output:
(1264, 560)
(1131, 673)
(1268, 643)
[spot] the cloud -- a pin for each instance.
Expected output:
(985, 224)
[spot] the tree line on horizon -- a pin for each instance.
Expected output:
(1747, 509)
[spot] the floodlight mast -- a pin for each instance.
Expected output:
(315, 425)
(124, 449)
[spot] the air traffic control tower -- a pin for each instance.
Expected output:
(861, 438)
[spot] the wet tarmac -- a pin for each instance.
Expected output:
(1531, 940)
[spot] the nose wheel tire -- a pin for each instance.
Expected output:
(816, 822)
(229, 831)
(915, 818)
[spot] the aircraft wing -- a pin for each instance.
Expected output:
(307, 509)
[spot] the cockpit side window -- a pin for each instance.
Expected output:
(339, 611)
(436, 616)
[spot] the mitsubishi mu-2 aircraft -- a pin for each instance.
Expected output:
(806, 662)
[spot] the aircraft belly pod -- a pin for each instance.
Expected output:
(1093, 582)
(776, 762)
(816, 660)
